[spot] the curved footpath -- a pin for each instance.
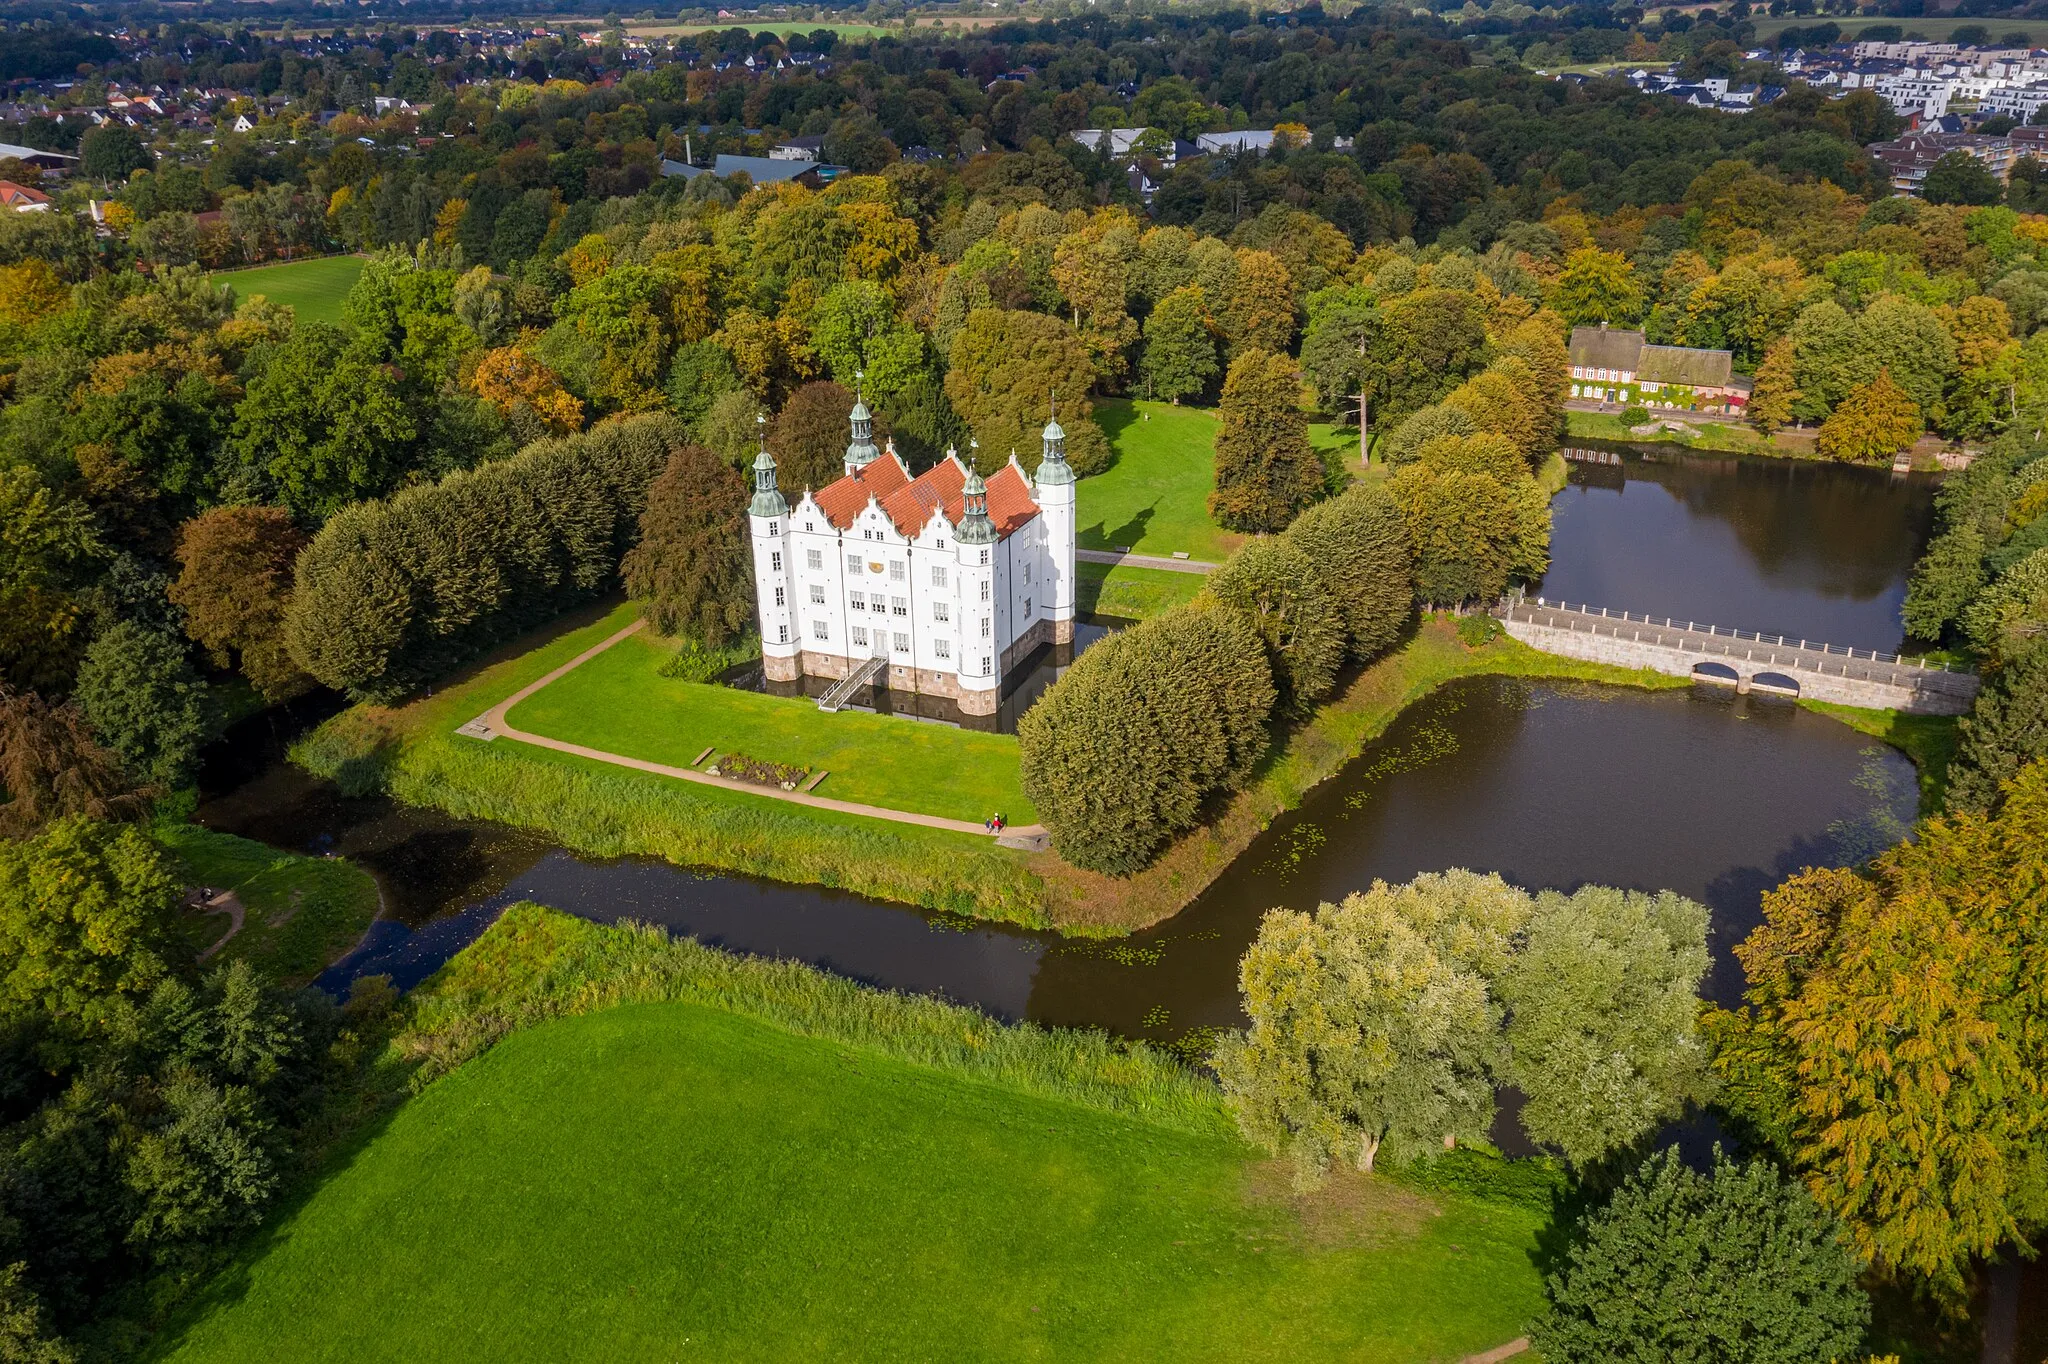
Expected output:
(492, 724)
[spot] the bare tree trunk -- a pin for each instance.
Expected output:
(1368, 1149)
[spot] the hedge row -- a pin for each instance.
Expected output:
(392, 594)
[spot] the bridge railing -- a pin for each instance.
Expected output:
(1782, 641)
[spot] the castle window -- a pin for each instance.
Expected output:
(902, 643)
(860, 637)
(898, 606)
(814, 558)
(853, 563)
(775, 561)
(942, 648)
(984, 556)
(818, 630)
(857, 601)
(778, 596)
(984, 589)
(938, 575)
(941, 611)
(810, 525)
(985, 627)
(773, 527)
(817, 594)
(896, 570)
(1027, 608)
(1027, 574)
(782, 634)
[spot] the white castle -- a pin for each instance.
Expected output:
(935, 585)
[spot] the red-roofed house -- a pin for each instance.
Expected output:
(937, 585)
(22, 199)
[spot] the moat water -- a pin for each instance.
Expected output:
(1558, 785)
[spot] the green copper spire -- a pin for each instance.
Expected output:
(767, 501)
(861, 451)
(1053, 468)
(975, 528)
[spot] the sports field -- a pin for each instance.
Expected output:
(666, 1181)
(313, 288)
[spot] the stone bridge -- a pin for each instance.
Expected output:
(1741, 659)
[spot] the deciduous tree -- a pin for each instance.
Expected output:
(145, 702)
(1003, 372)
(235, 585)
(1280, 591)
(1180, 348)
(1358, 545)
(85, 917)
(1771, 401)
(1875, 423)
(1597, 286)
(52, 766)
(1468, 534)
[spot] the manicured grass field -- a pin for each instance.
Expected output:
(664, 1182)
(619, 703)
(313, 288)
(1133, 593)
(301, 912)
(1155, 498)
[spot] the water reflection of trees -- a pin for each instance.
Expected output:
(1840, 531)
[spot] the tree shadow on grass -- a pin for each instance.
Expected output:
(1115, 418)
(1103, 536)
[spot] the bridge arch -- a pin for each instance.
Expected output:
(1775, 684)
(1716, 674)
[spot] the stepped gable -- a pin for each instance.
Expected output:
(846, 497)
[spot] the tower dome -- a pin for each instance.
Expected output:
(1052, 465)
(768, 501)
(975, 528)
(861, 450)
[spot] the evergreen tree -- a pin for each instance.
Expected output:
(1282, 593)
(1266, 471)
(1358, 545)
(1945, 581)
(1603, 1003)
(1180, 351)
(145, 702)
(694, 563)
(1372, 1031)
(1737, 1266)
(2006, 729)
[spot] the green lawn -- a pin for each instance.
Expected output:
(619, 703)
(314, 288)
(302, 912)
(664, 1181)
(1154, 498)
(1132, 593)
(1731, 437)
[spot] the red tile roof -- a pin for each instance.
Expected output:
(909, 503)
(845, 498)
(20, 196)
(1009, 501)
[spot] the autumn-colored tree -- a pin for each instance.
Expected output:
(1266, 471)
(810, 435)
(1876, 422)
(1470, 533)
(1597, 286)
(693, 566)
(30, 291)
(52, 766)
(235, 585)
(1504, 399)
(1770, 402)
(509, 377)
(1257, 312)
(1896, 1032)
(1093, 269)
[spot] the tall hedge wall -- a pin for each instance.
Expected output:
(392, 594)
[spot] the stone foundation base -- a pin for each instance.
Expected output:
(1063, 631)
(980, 702)
(777, 669)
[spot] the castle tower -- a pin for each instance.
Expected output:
(861, 451)
(1055, 485)
(981, 654)
(774, 574)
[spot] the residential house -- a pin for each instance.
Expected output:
(22, 199)
(1612, 365)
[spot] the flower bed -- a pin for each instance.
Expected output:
(743, 768)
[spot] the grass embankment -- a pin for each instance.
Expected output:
(1309, 754)
(771, 1164)
(313, 288)
(1728, 437)
(619, 703)
(300, 912)
(413, 752)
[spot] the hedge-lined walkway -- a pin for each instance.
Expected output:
(493, 724)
